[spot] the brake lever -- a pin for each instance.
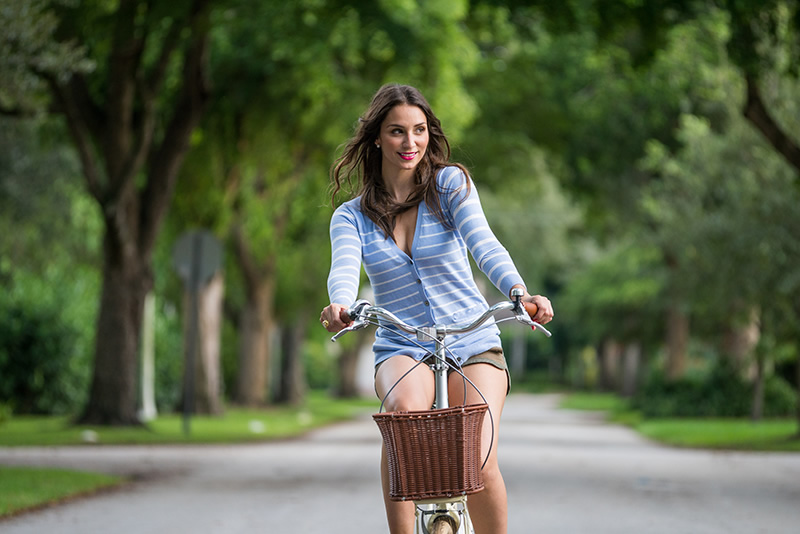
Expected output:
(357, 324)
(523, 317)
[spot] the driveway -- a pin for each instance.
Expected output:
(566, 472)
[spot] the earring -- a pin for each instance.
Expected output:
(377, 145)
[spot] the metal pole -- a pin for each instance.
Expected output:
(189, 372)
(440, 367)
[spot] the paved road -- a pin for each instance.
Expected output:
(566, 472)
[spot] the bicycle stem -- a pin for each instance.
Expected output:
(440, 367)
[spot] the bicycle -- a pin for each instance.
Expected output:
(449, 437)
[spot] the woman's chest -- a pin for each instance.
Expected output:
(425, 243)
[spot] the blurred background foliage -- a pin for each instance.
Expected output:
(610, 146)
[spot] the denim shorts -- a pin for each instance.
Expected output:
(493, 356)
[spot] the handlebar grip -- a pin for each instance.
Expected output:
(346, 317)
(531, 308)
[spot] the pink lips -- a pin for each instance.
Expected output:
(408, 156)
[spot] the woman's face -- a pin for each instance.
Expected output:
(403, 138)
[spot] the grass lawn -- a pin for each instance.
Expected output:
(733, 434)
(23, 487)
(603, 402)
(730, 434)
(235, 426)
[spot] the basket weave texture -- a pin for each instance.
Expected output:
(433, 453)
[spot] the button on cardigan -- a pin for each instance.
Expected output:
(435, 284)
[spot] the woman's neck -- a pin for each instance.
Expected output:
(400, 185)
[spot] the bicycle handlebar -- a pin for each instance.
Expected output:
(362, 310)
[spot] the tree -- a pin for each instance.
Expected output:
(304, 72)
(130, 121)
(585, 102)
(763, 39)
(726, 201)
(29, 50)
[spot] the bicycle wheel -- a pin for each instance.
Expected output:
(443, 525)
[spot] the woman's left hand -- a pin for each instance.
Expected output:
(544, 308)
(544, 313)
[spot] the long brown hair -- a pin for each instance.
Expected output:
(362, 159)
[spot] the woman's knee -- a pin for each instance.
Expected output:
(397, 403)
(403, 385)
(491, 475)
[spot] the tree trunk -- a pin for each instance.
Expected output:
(758, 389)
(113, 395)
(756, 112)
(632, 358)
(207, 376)
(348, 363)
(797, 389)
(518, 354)
(348, 374)
(740, 340)
(610, 365)
(293, 386)
(677, 341)
(147, 401)
(253, 379)
(797, 364)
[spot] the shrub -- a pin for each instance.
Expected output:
(720, 393)
(780, 398)
(5, 412)
(36, 348)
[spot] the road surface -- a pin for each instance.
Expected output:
(566, 472)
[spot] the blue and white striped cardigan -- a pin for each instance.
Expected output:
(433, 286)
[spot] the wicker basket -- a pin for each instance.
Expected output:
(433, 453)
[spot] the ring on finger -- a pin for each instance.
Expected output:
(325, 323)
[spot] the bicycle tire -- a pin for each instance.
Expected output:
(443, 525)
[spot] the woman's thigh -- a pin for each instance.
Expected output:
(493, 384)
(408, 384)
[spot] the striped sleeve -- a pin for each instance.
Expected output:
(345, 272)
(470, 221)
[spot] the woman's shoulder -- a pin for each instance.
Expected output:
(352, 206)
(451, 175)
(452, 178)
(453, 182)
(349, 211)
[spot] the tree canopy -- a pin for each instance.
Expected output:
(638, 159)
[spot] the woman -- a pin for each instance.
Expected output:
(411, 225)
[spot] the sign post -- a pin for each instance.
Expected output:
(196, 256)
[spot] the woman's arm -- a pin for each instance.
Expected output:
(470, 221)
(344, 275)
(490, 255)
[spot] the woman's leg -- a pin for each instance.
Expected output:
(414, 392)
(488, 508)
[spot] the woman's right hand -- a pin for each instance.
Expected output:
(334, 317)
